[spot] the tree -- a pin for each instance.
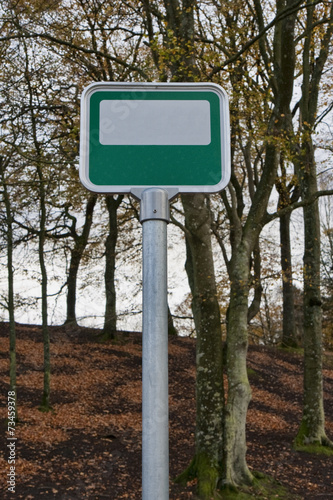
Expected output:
(89, 38)
(110, 317)
(327, 274)
(32, 103)
(37, 153)
(10, 246)
(174, 58)
(286, 198)
(80, 243)
(277, 64)
(209, 380)
(255, 59)
(312, 427)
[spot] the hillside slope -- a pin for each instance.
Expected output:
(90, 445)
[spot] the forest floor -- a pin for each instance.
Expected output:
(89, 446)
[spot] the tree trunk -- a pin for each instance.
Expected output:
(40, 168)
(179, 34)
(11, 312)
(80, 243)
(255, 304)
(236, 472)
(244, 242)
(110, 319)
(209, 381)
(72, 286)
(285, 199)
(244, 238)
(289, 327)
(45, 406)
(312, 427)
(172, 330)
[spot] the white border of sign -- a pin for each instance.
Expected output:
(137, 190)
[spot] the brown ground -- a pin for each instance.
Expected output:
(90, 446)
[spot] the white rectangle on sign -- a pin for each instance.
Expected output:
(154, 122)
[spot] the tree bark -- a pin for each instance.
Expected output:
(235, 469)
(45, 406)
(110, 318)
(312, 427)
(38, 154)
(209, 380)
(244, 237)
(244, 241)
(80, 243)
(172, 330)
(179, 43)
(254, 308)
(285, 200)
(11, 311)
(289, 326)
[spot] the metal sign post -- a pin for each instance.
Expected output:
(154, 216)
(154, 140)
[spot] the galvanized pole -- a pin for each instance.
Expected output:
(154, 216)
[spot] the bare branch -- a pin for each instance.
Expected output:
(299, 204)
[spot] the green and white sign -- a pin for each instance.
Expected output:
(140, 135)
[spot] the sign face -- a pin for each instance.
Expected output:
(140, 135)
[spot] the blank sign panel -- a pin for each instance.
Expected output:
(154, 122)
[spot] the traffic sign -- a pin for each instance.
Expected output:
(154, 140)
(140, 135)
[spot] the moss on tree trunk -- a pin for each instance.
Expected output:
(209, 378)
